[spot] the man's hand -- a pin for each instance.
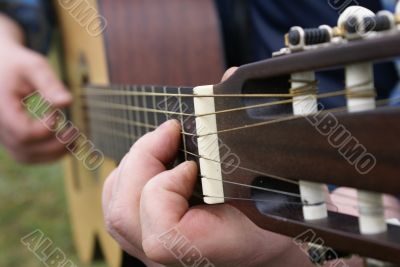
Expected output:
(23, 71)
(142, 201)
(146, 210)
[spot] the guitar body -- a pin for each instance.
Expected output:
(175, 42)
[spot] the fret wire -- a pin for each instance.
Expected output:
(137, 115)
(133, 123)
(101, 111)
(132, 129)
(121, 145)
(181, 120)
(118, 126)
(127, 128)
(154, 105)
(106, 130)
(104, 144)
(114, 129)
(110, 126)
(144, 98)
(166, 103)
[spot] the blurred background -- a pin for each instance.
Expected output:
(32, 197)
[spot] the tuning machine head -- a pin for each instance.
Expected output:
(298, 38)
(358, 22)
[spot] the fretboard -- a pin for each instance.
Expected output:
(117, 116)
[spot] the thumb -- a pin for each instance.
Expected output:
(39, 74)
(166, 196)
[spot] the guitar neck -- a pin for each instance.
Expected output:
(117, 116)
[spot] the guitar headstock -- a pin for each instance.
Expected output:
(285, 144)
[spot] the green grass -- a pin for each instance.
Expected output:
(32, 197)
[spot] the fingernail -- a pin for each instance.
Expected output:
(62, 97)
(170, 123)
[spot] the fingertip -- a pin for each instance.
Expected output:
(61, 97)
(228, 73)
(187, 171)
(161, 144)
(170, 125)
(190, 166)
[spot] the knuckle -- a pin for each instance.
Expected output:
(157, 251)
(115, 223)
(141, 144)
(22, 137)
(36, 62)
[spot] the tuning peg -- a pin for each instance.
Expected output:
(351, 21)
(298, 38)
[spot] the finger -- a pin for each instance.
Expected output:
(41, 152)
(228, 73)
(166, 196)
(146, 159)
(345, 200)
(19, 128)
(39, 74)
(124, 244)
(204, 227)
(109, 186)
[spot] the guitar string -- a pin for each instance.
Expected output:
(329, 204)
(309, 88)
(203, 115)
(118, 106)
(385, 207)
(108, 91)
(263, 188)
(293, 117)
(93, 90)
(103, 129)
(267, 175)
(105, 104)
(273, 121)
(106, 130)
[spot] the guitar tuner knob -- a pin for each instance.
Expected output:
(320, 255)
(351, 21)
(383, 21)
(298, 38)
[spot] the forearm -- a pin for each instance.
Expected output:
(10, 31)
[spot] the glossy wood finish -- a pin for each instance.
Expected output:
(174, 42)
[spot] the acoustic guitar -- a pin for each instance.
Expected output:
(263, 140)
(144, 42)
